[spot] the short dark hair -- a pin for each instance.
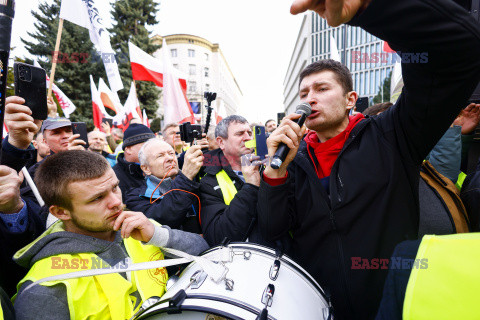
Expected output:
(59, 170)
(377, 108)
(344, 77)
(266, 122)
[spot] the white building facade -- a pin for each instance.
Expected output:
(363, 54)
(205, 69)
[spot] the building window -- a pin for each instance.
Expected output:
(206, 72)
(191, 53)
(192, 70)
(206, 56)
(192, 86)
(207, 87)
(175, 66)
(173, 52)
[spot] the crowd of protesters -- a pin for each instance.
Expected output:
(398, 181)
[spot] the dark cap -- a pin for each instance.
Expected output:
(55, 123)
(136, 133)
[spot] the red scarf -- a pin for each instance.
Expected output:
(327, 152)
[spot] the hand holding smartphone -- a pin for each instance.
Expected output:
(30, 84)
(81, 128)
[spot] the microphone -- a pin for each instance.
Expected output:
(7, 11)
(305, 110)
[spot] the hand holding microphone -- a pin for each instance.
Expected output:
(283, 143)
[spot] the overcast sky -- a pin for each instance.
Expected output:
(256, 38)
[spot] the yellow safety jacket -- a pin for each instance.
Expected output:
(448, 288)
(103, 296)
(226, 186)
(1, 312)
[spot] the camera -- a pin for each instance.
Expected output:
(25, 73)
(190, 132)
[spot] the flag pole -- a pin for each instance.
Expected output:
(55, 57)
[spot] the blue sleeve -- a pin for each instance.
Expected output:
(446, 156)
(16, 222)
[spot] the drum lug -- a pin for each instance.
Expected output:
(274, 269)
(267, 296)
(197, 279)
(229, 284)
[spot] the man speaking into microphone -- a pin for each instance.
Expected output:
(348, 191)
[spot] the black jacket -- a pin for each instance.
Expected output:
(177, 209)
(470, 196)
(237, 221)
(129, 174)
(373, 202)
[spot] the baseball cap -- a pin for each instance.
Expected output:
(54, 123)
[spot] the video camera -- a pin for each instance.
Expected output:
(189, 132)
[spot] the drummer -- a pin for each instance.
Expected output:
(93, 231)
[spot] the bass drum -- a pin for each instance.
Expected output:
(258, 285)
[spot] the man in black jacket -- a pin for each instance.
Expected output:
(127, 168)
(176, 209)
(351, 192)
(229, 186)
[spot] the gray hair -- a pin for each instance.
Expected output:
(118, 132)
(222, 127)
(142, 154)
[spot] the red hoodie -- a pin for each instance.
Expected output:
(326, 153)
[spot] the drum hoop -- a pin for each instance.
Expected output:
(285, 258)
(185, 307)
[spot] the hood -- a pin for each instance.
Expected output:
(55, 240)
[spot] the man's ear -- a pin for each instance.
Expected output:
(146, 169)
(351, 97)
(60, 213)
(221, 143)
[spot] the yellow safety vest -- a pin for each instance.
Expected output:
(460, 180)
(226, 186)
(104, 296)
(1, 312)
(448, 288)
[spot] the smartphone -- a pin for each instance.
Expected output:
(30, 84)
(80, 128)
(109, 121)
(261, 141)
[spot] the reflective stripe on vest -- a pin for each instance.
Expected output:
(448, 287)
(226, 186)
(460, 180)
(104, 296)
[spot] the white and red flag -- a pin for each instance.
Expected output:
(176, 107)
(65, 103)
(145, 119)
(98, 110)
(163, 74)
(109, 98)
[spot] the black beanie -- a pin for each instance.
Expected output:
(136, 133)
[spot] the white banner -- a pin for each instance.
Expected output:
(85, 14)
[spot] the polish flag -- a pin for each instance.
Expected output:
(147, 68)
(109, 99)
(98, 109)
(176, 107)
